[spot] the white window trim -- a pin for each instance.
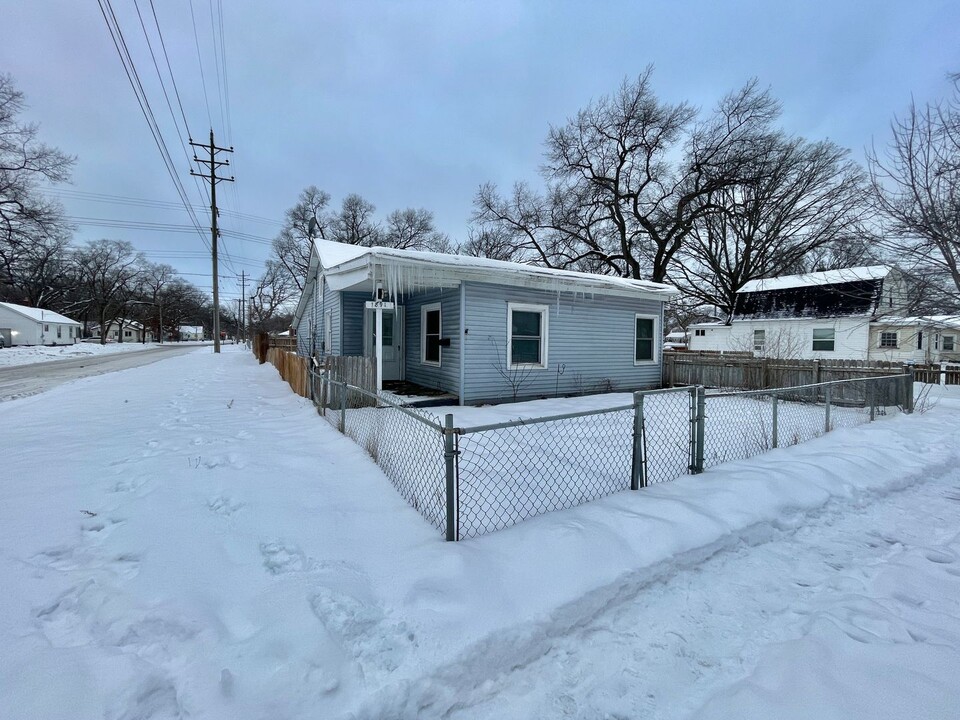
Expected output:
(544, 311)
(816, 339)
(328, 332)
(656, 339)
(896, 340)
(424, 309)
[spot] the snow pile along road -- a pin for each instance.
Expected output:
(29, 355)
(209, 547)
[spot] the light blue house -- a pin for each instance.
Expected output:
(481, 330)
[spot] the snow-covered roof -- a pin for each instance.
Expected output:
(39, 314)
(833, 293)
(335, 257)
(826, 277)
(946, 321)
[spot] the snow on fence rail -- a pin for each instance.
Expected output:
(469, 481)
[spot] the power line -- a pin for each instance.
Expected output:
(116, 35)
(143, 202)
(203, 80)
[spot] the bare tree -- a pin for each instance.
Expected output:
(804, 197)
(413, 229)
(916, 185)
(33, 230)
(272, 294)
(496, 242)
(354, 224)
(304, 221)
(628, 177)
(108, 271)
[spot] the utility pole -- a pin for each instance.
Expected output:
(212, 164)
(243, 304)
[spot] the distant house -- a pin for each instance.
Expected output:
(675, 340)
(22, 325)
(124, 331)
(923, 339)
(191, 332)
(481, 330)
(850, 314)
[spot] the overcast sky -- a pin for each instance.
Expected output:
(418, 103)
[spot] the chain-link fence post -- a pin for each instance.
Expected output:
(449, 456)
(323, 394)
(908, 391)
(343, 408)
(638, 478)
(776, 420)
(698, 401)
(701, 425)
(872, 398)
(826, 408)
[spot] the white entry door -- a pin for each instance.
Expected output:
(391, 343)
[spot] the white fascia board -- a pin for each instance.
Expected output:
(343, 279)
(446, 276)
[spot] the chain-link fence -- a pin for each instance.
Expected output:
(407, 443)
(468, 481)
(743, 424)
(509, 472)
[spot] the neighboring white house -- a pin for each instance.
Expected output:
(124, 331)
(191, 332)
(22, 325)
(850, 314)
(923, 339)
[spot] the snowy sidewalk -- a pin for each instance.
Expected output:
(190, 539)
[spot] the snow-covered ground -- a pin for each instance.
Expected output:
(188, 539)
(28, 355)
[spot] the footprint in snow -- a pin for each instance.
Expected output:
(223, 505)
(280, 558)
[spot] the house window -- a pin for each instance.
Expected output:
(888, 340)
(328, 332)
(824, 339)
(644, 347)
(59, 331)
(759, 340)
(430, 334)
(46, 328)
(526, 336)
(700, 332)
(948, 343)
(127, 333)
(920, 340)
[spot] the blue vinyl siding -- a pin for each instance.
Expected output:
(315, 307)
(590, 336)
(352, 307)
(447, 376)
(331, 302)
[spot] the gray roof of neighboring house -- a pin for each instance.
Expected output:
(832, 293)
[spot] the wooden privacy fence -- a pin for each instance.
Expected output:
(942, 374)
(752, 373)
(355, 370)
(292, 368)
